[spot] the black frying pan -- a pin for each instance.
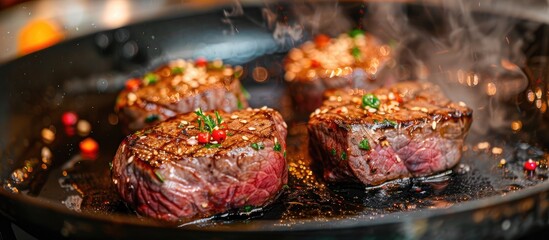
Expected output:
(73, 198)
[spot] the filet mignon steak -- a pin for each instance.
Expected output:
(166, 173)
(408, 130)
(350, 60)
(179, 87)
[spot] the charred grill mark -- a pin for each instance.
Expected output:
(419, 108)
(255, 119)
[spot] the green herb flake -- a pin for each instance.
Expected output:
(257, 146)
(199, 112)
(200, 126)
(139, 133)
(150, 78)
(159, 176)
(177, 70)
(239, 104)
(211, 145)
(343, 156)
(285, 186)
(364, 144)
(370, 100)
(245, 92)
(218, 117)
(110, 166)
(238, 73)
(355, 51)
(389, 122)
(333, 152)
(248, 208)
(152, 118)
(284, 153)
(277, 147)
(230, 134)
(209, 122)
(355, 33)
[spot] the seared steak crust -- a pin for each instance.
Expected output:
(341, 62)
(416, 131)
(164, 173)
(181, 91)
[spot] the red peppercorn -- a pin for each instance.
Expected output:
(315, 64)
(219, 135)
(133, 84)
(321, 40)
(201, 62)
(530, 165)
(203, 137)
(69, 118)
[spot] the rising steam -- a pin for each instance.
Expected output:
(475, 55)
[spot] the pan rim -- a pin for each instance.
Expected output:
(266, 226)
